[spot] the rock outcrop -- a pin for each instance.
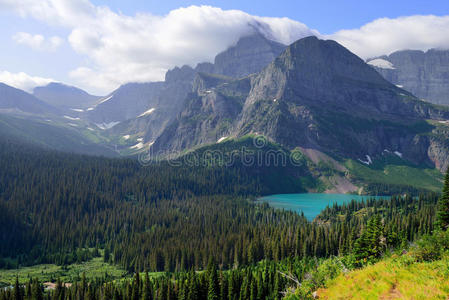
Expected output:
(424, 74)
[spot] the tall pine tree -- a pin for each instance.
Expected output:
(443, 205)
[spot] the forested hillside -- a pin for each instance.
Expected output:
(179, 218)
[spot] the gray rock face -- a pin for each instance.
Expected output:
(319, 95)
(315, 95)
(64, 96)
(127, 102)
(209, 114)
(425, 74)
(250, 55)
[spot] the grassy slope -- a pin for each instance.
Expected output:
(391, 171)
(53, 135)
(392, 278)
(95, 268)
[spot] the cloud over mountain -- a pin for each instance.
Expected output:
(385, 35)
(120, 48)
(23, 81)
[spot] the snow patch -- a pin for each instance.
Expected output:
(106, 99)
(90, 108)
(368, 160)
(140, 139)
(147, 112)
(444, 122)
(90, 128)
(74, 125)
(72, 118)
(381, 63)
(137, 146)
(398, 153)
(274, 100)
(222, 139)
(77, 109)
(126, 136)
(399, 86)
(105, 126)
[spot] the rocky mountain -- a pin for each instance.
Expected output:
(425, 74)
(315, 95)
(13, 100)
(250, 55)
(64, 96)
(128, 101)
(164, 100)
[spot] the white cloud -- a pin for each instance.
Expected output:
(384, 36)
(120, 48)
(38, 41)
(143, 47)
(23, 81)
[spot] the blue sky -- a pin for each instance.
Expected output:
(100, 44)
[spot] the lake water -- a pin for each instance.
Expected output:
(311, 204)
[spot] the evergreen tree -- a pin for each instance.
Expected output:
(37, 291)
(147, 294)
(213, 286)
(443, 205)
(371, 242)
(17, 292)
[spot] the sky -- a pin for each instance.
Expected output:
(100, 44)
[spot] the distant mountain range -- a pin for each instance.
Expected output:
(64, 96)
(351, 118)
(424, 74)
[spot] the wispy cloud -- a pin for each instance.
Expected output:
(38, 41)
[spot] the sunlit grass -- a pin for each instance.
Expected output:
(94, 268)
(393, 278)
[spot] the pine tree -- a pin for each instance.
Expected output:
(36, 291)
(136, 287)
(147, 295)
(17, 292)
(213, 285)
(443, 205)
(371, 242)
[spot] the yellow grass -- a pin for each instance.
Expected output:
(393, 278)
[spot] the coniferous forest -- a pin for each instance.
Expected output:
(200, 226)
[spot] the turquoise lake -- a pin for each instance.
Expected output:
(311, 204)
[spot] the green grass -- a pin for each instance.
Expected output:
(94, 268)
(394, 173)
(392, 278)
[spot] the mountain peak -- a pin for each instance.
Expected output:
(63, 95)
(249, 55)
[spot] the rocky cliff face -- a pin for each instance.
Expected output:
(315, 95)
(127, 102)
(425, 74)
(250, 55)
